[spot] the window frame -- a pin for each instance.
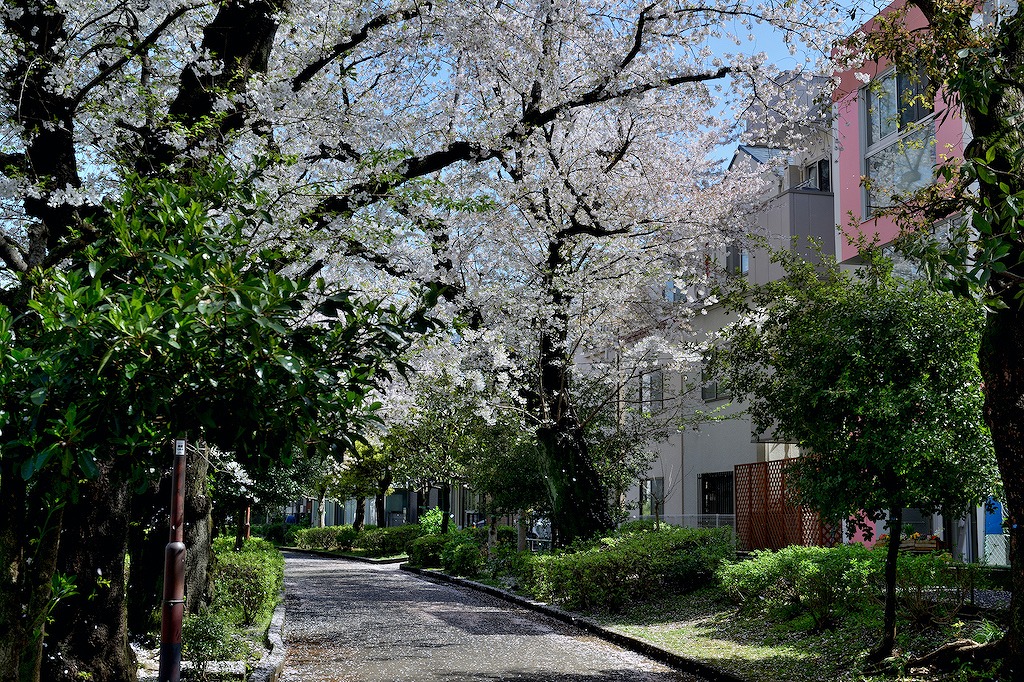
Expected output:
(905, 128)
(652, 489)
(651, 395)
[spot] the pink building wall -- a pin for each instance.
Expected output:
(949, 143)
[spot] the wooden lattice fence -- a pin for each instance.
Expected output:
(766, 515)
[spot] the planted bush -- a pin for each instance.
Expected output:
(393, 541)
(462, 555)
(627, 567)
(425, 551)
(208, 637)
(249, 581)
(932, 588)
(345, 536)
(324, 538)
(430, 521)
(506, 535)
(824, 582)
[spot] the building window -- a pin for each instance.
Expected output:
(652, 391)
(737, 261)
(673, 294)
(652, 497)
(716, 493)
(818, 175)
(713, 390)
(899, 138)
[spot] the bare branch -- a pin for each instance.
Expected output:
(138, 49)
(351, 42)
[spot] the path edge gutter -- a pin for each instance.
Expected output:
(670, 658)
(271, 664)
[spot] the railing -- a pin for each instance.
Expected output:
(538, 544)
(697, 520)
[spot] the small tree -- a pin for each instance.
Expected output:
(877, 379)
(367, 471)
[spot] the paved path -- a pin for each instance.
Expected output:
(349, 621)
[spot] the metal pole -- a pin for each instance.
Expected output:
(174, 575)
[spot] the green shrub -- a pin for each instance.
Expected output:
(379, 542)
(345, 536)
(606, 574)
(425, 551)
(824, 582)
(505, 561)
(431, 521)
(247, 582)
(209, 637)
(932, 588)
(508, 535)
(462, 555)
(324, 538)
(636, 526)
(275, 533)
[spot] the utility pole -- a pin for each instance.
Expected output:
(174, 575)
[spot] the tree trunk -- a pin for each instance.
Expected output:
(198, 534)
(383, 485)
(579, 508)
(378, 503)
(89, 634)
(1003, 371)
(445, 503)
(579, 501)
(892, 552)
(29, 542)
(13, 528)
(241, 524)
(360, 519)
(492, 533)
(321, 510)
(521, 535)
(148, 538)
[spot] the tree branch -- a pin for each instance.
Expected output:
(12, 254)
(134, 52)
(352, 41)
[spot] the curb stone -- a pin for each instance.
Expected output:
(271, 665)
(670, 658)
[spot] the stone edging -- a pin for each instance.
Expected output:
(639, 646)
(271, 664)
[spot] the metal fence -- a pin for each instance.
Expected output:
(698, 520)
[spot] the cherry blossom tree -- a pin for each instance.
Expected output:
(396, 140)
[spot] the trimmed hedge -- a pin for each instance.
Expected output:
(462, 555)
(374, 541)
(631, 566)
(824, 582)
(379, 542)
(324, 538)
(425, 551)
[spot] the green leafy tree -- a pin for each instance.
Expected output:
(877, 380)
(434, 433)
(978, 62)
(367, 471)
(171, 323)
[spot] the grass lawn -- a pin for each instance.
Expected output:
(706, 626)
